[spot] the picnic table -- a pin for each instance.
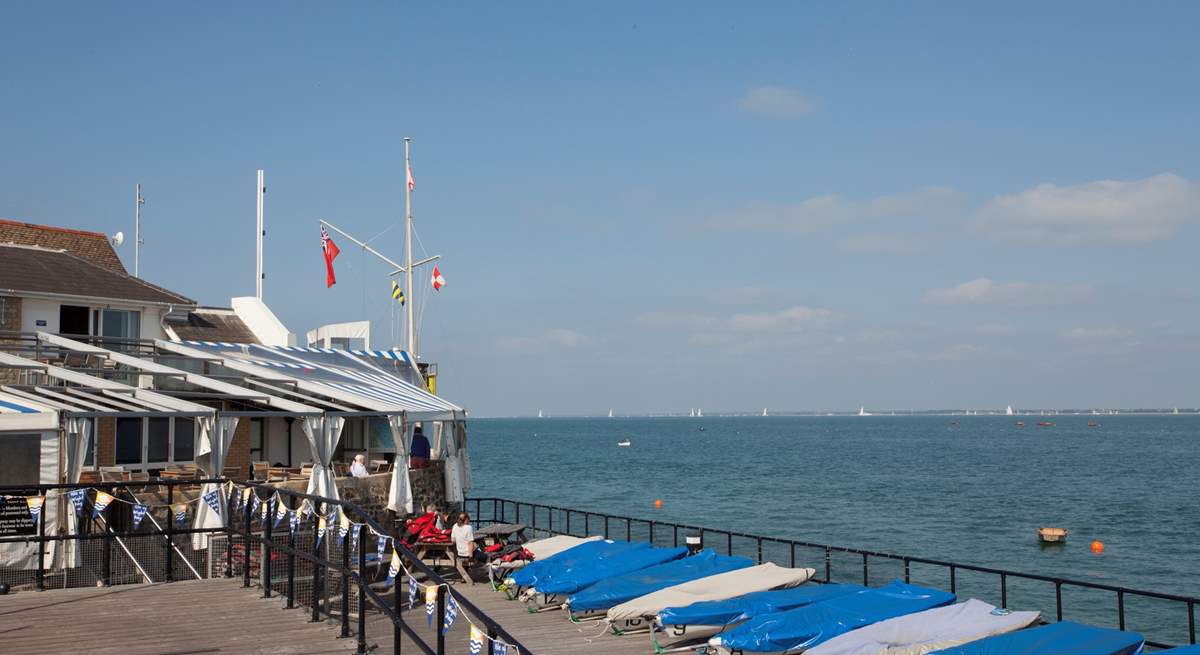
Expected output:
(500, 533)
(434, 552)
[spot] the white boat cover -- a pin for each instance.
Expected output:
(925, 632)
(543, 548)
(714, 587)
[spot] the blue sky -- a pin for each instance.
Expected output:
(651, 208)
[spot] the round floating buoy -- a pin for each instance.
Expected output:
(1097, 546)
(658, 503)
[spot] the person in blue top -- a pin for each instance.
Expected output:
(419, 453)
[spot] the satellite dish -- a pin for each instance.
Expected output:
(118, 238)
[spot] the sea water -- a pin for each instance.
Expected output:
(969, 489)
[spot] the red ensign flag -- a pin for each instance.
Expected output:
(330, 250)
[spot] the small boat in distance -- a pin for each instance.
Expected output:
(1045, 424)
(862, 411)
(624, 443)
(540, 414)
(764, 411)
(1008, 412)
(1020, 424)
(1093, 424)
(610, 414)
(1052, 535)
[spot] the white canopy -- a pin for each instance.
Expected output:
(323, 434)
(215, 437)
(400, 495)
(925, 632)
(714, 587)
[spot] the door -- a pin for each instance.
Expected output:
(73, 319)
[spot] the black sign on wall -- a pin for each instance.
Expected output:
(15, 519)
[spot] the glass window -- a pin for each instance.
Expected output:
(89, 458)
(185, 439)
(121, 324)
(256, 440)
(129, 441)
(158, 439)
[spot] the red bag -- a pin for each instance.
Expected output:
(494, 548)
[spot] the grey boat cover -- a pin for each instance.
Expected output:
(925, 632)
(714, 587)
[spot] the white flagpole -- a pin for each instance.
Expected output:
(408, 269)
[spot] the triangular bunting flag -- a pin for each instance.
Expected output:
(180, 514)
(381, 545)
(412, 586)
(255, 503)
(77, 496)
(451, 612)
(430, 602)
(320, 530)
(101, 502)
(139, 513)
(293, 521)
(499, 648)
(393, 568)
(35, 506)
(280, 512)
(354, 530)
(475, 645)
(213, 499)
(245, 498)
(343, 529)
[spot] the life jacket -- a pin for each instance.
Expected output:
(520, 554)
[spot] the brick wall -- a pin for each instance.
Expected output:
(106, 441)
(10, 319)
(239, 448)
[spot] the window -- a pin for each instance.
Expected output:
(185, 440)
(158, 439)
(120, 323)
(256, 440)
(89, 458)
(129, 441)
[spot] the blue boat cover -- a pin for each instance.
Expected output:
(608, 565)
(736, 610)
(570, 558)
(1064, 638)
(614, 591)
(808, 626)
(1181, 650)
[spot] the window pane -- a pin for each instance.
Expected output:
(129, 441)
(121, 323)
(89, 457)
(158, 440)
(185, 439)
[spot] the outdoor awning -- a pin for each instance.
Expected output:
(18, 413)
(386, 381)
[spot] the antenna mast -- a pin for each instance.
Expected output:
(137, 231)
(408, 268)
(258, 272)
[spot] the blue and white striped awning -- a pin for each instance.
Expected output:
(385, 380)
(19, 413)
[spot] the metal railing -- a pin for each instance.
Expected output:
(578, 522)
(290, 563)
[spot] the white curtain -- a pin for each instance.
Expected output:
(215, 436)
(323, 434)
(452, 464)
(78, 441)
(464, 454)
(400, 493)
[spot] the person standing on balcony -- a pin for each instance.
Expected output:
(419, 453)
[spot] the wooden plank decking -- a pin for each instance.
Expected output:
(218, 616)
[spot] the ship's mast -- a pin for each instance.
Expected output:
(408, 262)
(137, 231)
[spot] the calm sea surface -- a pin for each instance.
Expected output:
(912, 485)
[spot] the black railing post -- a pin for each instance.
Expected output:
(345, 577)
(828, 563)
(246, 539)
(1121, 608)
(569, 522)
(675, 536)
(1058, 600)
(953, 579)
(866, 572)
(492, 634)
(316, 575)
(264, 554)
(792, 555)
(396, 633)
(587, 524)
(441, 619)
(229, 505)
(291, 567)
(168, 552)
(760, 560)
(1191, 622)
(106, 567)
(502, 512)
(362, 597)
(495, 509)
(41, 530)
(651, 531)
(1004, 591)
(728, 543)
(606, 526)
(907, 578)
(628, 529)
(550, 520)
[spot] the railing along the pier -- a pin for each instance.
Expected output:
(109, 549)
(577, 522)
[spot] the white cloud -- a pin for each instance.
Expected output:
(885, 244)
(777, 101)
(1104, 211)
(983, 291)
(550, 340)
(1096, 335)
(824, 212)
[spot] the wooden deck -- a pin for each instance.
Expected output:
(220, 617)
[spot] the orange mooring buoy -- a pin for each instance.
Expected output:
(658, 503)
(1097, 546)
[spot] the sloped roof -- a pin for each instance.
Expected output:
(91, 246)
(212, 324)
(38, 270)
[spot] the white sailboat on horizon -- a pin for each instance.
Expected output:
(699, 413)
(540, 414)
(764, 411)
(862, 411)
(610, 414)
(1009, 411)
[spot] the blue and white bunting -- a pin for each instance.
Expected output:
(451, 613)
(280, 512)
(139, 513)
(412, 587)
(475, 645)
(394, 570)
(430, 602)
(354, 531)
(213, 499)
(343, 529)
(254, 505)
(101, 502)
(499, 648)
(35, 506)
(381, 545)
(293, 521)
(180, 514)
(77, 496)
(320, 530)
